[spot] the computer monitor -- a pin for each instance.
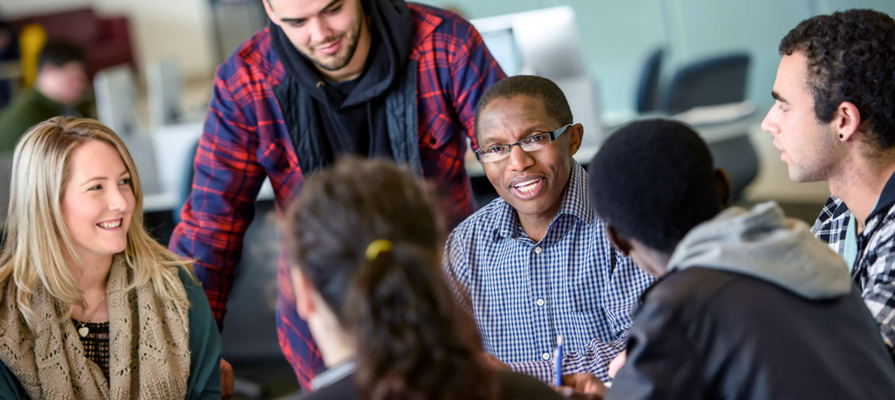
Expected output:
(163, 85)
(502, 45)
(116, 97)
(546, 42)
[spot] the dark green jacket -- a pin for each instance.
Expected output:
(204, 382)
(28, 109)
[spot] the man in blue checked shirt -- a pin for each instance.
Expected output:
(535, 263)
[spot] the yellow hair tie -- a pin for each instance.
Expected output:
(376, 247)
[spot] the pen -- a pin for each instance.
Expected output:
(557, 360)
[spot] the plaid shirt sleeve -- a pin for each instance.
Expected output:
(226, 182)
(878, 284)
(474, 71)
(457, 272)
(455, 71)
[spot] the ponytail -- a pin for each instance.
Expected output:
(409, 347)
(365, 235)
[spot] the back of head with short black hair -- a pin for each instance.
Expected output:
(59, 53)
(851, 57)
(653, 181)
(555, 102)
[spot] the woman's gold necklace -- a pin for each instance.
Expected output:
(84, 330)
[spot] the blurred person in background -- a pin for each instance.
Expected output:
(92, 307)
(58, 91)
(365, 264)
(372, 78)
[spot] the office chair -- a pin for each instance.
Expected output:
(738, 157)
(648, 88)
(714, 81)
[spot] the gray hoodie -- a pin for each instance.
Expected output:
(764, 244)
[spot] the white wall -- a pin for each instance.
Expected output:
(15, 8)
(163, 29)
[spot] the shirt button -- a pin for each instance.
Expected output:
(538, 250)
(546, 356)
(540, 302)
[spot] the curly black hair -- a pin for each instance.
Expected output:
(653, 181)
(851, 57)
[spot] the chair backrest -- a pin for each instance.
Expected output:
(718, 80)
(738, 157)
(648, 89)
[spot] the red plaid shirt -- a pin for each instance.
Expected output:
(245, 140)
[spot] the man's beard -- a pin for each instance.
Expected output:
(351, 39)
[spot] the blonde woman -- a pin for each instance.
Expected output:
(92, 307)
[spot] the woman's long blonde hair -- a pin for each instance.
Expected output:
(36, 237)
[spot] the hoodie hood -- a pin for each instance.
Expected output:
(764, 244)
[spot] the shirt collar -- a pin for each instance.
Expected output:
(886, 199)
(574, 202)
(333, 375)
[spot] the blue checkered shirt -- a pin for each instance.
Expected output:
(525, 293)
(874, 268)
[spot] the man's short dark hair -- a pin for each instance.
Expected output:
(851, 57)
(59, 53)
(653, 181)
(528, 85)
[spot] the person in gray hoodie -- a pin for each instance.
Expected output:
(749, 304)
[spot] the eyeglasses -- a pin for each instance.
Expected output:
(529, 144)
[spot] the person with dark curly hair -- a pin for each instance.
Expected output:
(834, 120)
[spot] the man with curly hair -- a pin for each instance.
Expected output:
(834, 120)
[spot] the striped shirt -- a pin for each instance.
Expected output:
(524, 293)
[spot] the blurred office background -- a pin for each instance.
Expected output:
(711, 63)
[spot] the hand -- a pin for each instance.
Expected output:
(617, 364)
(582, 384)
(493, 362)
(226, 380)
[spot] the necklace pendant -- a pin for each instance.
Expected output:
(83, 331)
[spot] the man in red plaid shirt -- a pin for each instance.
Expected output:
(378, 78)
